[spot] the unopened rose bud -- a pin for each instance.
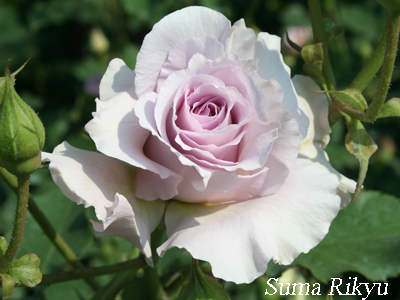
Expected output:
(21, 131)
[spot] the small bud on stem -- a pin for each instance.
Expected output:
(21, 131)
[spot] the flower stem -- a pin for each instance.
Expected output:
(387, 68)
(59, 242)
(372, 66)
(320, 37)
(153, 283)
(92, 272)
(151, 277)
(48, 229)
(114, 286)
(19, 225)
(331, 10)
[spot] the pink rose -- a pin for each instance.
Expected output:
(211, 119)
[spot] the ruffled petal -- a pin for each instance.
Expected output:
(240, 239)
(93, 179)
(316, 107)
(239, 40)
(133, 221)
(271, 66)
(118, 78)
(286, 146)
(187, 23)
(180, 55)
(117, 133)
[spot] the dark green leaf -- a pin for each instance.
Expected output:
(202, 286)
(353, 98)
(365, 237)
(7, 284)
(390, 108)
(3, 246)
(25, 270)
(362, 146)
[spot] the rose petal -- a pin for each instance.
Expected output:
(240, 239)
(240, 40)
(93, 179)
(271, 66)
(117, 133)
(117, 79)
(316, 107)
(187, 23)
(181, 53)
(286, 146)
(133, 221)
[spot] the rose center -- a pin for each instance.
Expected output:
(208, 108)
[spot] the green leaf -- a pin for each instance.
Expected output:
(7, 284)
(3, 246)
(202, 286)
(25, 270)
(390, 108)
(364, 238)
(362, 146)
(351, 97)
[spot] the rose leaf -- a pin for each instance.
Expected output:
(25, 270)
(7, 284)
(351, 97)
(202, 286)
(390, 108)
(365, 237)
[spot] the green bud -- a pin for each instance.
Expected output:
(313, 54)
(21, 131)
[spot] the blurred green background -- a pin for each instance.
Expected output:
(70, 42)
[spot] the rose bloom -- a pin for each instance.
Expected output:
(211, 119)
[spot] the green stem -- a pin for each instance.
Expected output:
(92, 272)
(387, 68)
(19, 225)
(320, 37)
(114, 286)
(154, 286)
(151, 277)
(372, 66)
(59, 242)
(48, 229)
(331, 9)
